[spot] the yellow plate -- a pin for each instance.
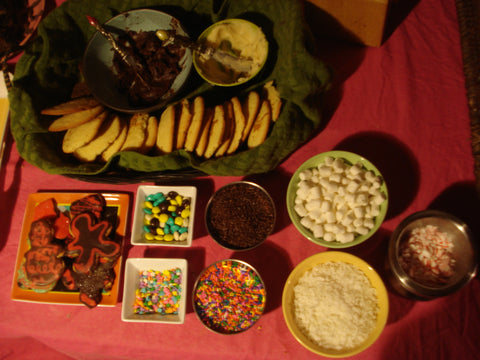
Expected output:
(336, 256)
(118, 202)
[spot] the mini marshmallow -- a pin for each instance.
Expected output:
(348, 219)
(329, 160)
(323, 182)
(368, 223)
(345, 237)
(307, 222)
(359, 212)
(330, 217)
(364, 187)
(370, 176)
(325, 171)
(328, 236)
(358, 222)
(328, 228)
(349, 198)
(361, 199)
(379, 199)
(326, 206)
(361, 230)
(336, 178)
(302, 193)
(314, 193)
(374, 210)
(300, 210)
(355, 169)
(315, 215)
(338, 165)
(317, 231)
(313, 204)
(305, 175)
(352, 187)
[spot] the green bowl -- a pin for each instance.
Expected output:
(350, 159)
(215, 73)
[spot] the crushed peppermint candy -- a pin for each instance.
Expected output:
(427, 256)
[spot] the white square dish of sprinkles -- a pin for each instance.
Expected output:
(164, 215)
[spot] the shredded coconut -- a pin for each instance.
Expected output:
(335, 305)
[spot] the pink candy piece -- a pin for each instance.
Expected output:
(427, 256)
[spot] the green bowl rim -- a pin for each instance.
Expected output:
(350, 158)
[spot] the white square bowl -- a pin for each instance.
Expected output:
(131, 283)
(138, 218)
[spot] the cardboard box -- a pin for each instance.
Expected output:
(361, 21)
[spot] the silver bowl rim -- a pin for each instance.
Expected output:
(230, 184)
(200, 276)
(414, 287)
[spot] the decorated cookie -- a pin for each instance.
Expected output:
(42, 268)
(90, 244)
(91, 286)
(94, 204)
(41, 233)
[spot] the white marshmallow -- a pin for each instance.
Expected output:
(317, 231)
(305, 175)
(313, 204)
(300, 210)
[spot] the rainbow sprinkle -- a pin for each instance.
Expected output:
(229, 297)
(159, 292)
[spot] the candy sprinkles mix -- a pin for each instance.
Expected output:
(166, 217)
(427, 256)
(158, 292)
(229, 297)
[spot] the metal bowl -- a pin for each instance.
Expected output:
(463, 254)
(240, 216)
(229, 296)
(98, 68)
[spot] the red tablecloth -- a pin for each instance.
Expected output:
(402, 106)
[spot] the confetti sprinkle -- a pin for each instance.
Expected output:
(159, 292)
(230, 297)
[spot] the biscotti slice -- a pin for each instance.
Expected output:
(166, 131)
(217, 130)
(239, 119)
(137, 132)
(229, 129)
(72, 106)
(250, 111)
(81, 135)
(198, 109)
(273, 97)
(117, 144)
(106, 136)
(184, 119)
(261, 125)
(205, 130)
(75, 119)
(151, 138)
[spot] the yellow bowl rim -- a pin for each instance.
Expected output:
(334, 256)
